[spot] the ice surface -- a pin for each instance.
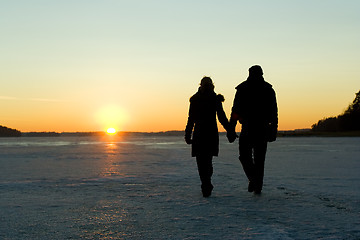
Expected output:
(148, 188)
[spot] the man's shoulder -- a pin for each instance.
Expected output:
(241, 85)
(269, 88)
(247, 86)
(268, 85)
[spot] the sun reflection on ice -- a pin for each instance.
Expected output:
(112, 159)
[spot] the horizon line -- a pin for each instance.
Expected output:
(164, 131)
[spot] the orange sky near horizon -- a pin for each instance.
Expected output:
(88, 66)
(58, 116)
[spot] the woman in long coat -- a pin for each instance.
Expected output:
(204, 106)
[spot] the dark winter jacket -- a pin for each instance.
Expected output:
(256, 108)
(204, 106)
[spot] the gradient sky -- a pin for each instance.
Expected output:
(84, 65)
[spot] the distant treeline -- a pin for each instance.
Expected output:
(348, 121)
(9, 132)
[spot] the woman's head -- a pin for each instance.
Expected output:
(207, 84)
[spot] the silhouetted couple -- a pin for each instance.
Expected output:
(254, 107)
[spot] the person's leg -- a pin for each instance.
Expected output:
(259, 161)
(246, 159)
(205, 169)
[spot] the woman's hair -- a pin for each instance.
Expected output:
(206, 84)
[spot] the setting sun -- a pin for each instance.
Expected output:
(111, 131)
(111, 117)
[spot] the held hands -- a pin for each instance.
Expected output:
(230, 130)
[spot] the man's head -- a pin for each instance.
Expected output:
(255, 71)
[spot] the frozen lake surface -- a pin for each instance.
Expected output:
(149, 188)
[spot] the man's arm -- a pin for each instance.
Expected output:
(273, 123)
(234, 118)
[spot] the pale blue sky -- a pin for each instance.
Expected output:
(147, 58)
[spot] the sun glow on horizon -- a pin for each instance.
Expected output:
(112, 118)
(111, 131)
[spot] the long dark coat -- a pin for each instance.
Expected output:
(256, 108)
(204, 106)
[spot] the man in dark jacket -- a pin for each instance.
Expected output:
(204, 106)
(255, 108)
